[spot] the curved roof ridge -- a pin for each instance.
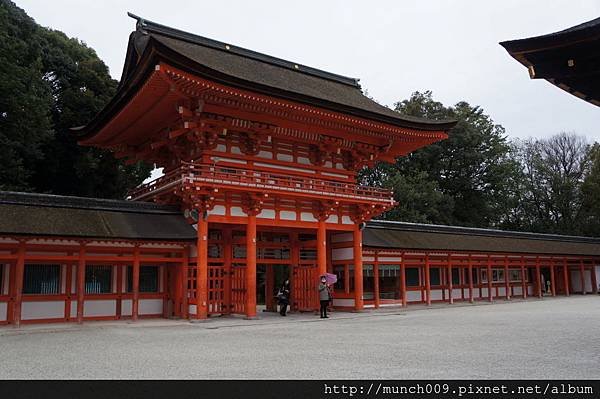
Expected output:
(151, 26)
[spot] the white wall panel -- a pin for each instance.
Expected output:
(42, 310)
(287, 215)
(150, 306)
(126, 307)
(413, 296)
(3, 311)
(347, 302)
(101, 307)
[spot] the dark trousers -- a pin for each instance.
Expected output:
(324, 305)
(283, 308)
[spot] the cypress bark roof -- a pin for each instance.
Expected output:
(246, 69)
(412, 236)
(53, 215)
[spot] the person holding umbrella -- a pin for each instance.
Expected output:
(324, 295)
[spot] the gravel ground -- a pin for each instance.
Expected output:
(549, 338)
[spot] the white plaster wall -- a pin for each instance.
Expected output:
(529, 290)
(347, 302)
(368, 259)
(150, 306)
(42, 310)
(192, 309)
(347, 220)
(3, 311)
(389, 259)
(588, 281)
(413, 296)
(484, 292)
(217, 210)
(436, 295)
(101, 307)
(266, 214)
(518, 290)
(307, 217)
(501, 291)
(237, 211)
(342, 254)
(126, 307)
(73, 309)
(456, 292)
(332, 219)
(287, 215)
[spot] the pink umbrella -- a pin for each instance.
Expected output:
(331, 278)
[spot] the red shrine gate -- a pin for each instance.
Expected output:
(262, 155)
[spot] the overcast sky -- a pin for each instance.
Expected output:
(394, 47)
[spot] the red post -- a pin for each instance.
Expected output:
(523, 278)
(18, 289)
(184, 283)
(538, 282)
(582, 274)
(358, 269)
(376, 281)
(594, 280)
(321, 247)
(251, 267)
(506, 278)
(135, 284)
(566, 277)
(202, 269)
(552, 282)
(470, 265)
(80, 284)
(489, 278)
(403, 281)
(450, 285)
(427, 281)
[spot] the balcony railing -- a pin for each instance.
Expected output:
(253, 180)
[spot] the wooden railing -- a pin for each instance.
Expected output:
(260, 180)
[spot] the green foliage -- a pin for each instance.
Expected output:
(464, 180)
(58, 83)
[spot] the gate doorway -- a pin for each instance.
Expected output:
(269, 278)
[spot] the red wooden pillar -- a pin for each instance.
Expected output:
(184, 282)
(566, 277)
(80, 284)
(523, 278)
(506, 278)
(427, 281)
(18, 288)
(227, 255)
(358, 269)
(582, 274)
(594, 280)
(202, 269)
(470, 269)
(376, 281)
(120, 290)
(552, 274)
(251, 266)
(135, 284)
(450, 285)
(68, 286)
(321, 247)
(538, 282)
(403, 281)
(489, 278)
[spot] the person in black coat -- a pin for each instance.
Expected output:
(284, 297)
